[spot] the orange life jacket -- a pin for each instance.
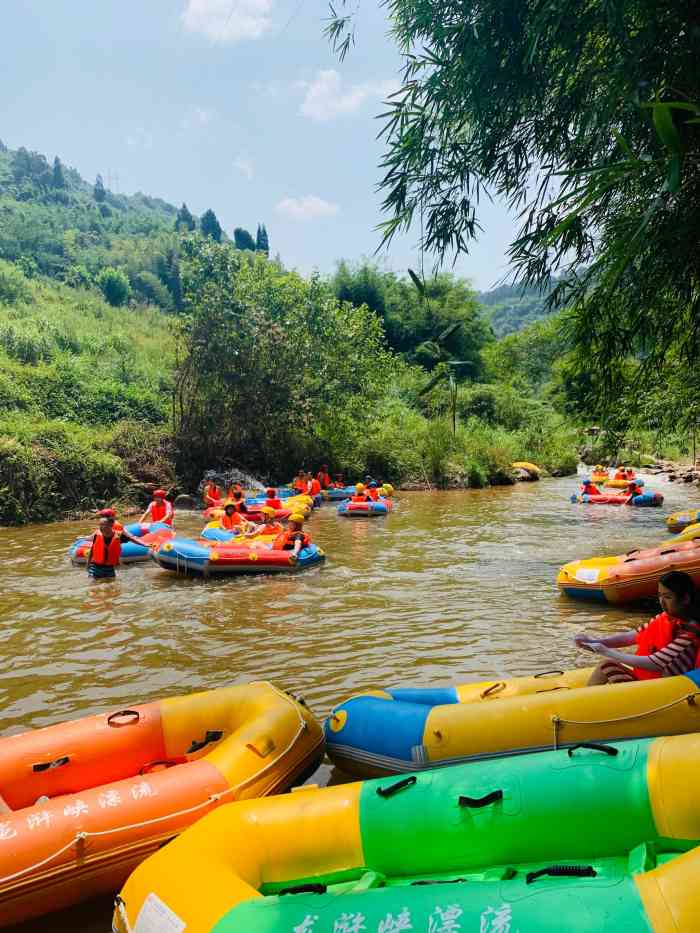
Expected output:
(274, 503)
(103, 554)
(299, 484)
(373, 494)
(314, 487)
(270, 528)
(360, 498)
(229, 522)
(660, 631)
(212, 493)
(161, 511)
(324, 479)
(286, 540)
(590, 489)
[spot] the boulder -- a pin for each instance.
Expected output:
(186, 502)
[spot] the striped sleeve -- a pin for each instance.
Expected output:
(678, 657)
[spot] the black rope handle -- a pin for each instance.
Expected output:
(395, 788)
(311, 888)
(209, 736)
(595, 747)
(546, 673)
(438, 881)
(670, 550)
(476, 802)
(50, 765)
(123, 712)
(562, 871)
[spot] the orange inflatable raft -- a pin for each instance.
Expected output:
(83, 802)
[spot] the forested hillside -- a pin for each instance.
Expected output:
(511, 308)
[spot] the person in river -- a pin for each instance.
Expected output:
(360, 494)
(634, 488)
(294, 538)
(238, 502)
(106, 548)
(268, 526)
(159, 510)
(300, 483)
(324, 477)
(272, 499)
(589, 488)
(232, 520)
(667, 645)
(211, 493)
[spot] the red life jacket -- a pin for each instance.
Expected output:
(299, 484)
(373, 494)
(286, 540)
(324, 479)
(212, 493)
(660, 631)
(314, 487)
(274, 503)
(229, 522)
(161, 511)
(269, 528)
(360, 498)
(103, 554)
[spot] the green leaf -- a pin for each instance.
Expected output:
(417, 282)
(662, 117)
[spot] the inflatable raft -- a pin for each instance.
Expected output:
(631, 576)
(349, 509)
(384, 732)
(338, 494)
(149, 534)
(186, 556)
(600, 476)
(85, 801)
(645, 500)
(531, 469)
(679, 521)
(602, 838)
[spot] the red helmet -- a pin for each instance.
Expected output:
(107, 513)
(159, 494)
(271, 493)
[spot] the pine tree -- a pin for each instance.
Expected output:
(262, 244)
(58, 180)
(243, 239)
(184, 219)
(99, 192)
(210, 226)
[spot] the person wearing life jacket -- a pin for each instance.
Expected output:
(620, 473)
(268, 526)
(667, 645)
(338, 481)
(159, 510)
(272, 500)
(324, 477)
(589, 488)
(373, 491)
(211, 494)
(238, 502)
(633, 489)
(294, 538)
(232, 520)
(387, 490)
(360, 494)
(300, 483)
(233, 488)
(105, 550)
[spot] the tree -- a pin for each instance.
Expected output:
(585, 119)
(243, 239)
(210, 226)
(98, 191)
(184, 220)
(114, 285)
(262, 244)
(58, 179)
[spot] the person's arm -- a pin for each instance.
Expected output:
(125, 535)
(88, 557)
(631, 660)
(145, 518)
(619, 640)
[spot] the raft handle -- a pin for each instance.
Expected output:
(209, 736)
(50, 765)
(494, 688)
(562, 871)
(547, 673)
(438, 881)
(476, 802)
(395, 788)
(596, 747)
(165, 762)
(312, 888)
(671, 550)
(124, 712)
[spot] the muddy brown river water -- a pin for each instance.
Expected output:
(453, 586)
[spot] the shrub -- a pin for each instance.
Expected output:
(114, 285)
(14, 286)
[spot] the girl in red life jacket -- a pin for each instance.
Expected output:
(159, 510)
(233, 488)
(667, 645)
(232, 520)
(238, 502)
(294, 538)
(272, 499)
(300, 483)
(211, 493)
(589, 489)
(338, 482)
(323, 476)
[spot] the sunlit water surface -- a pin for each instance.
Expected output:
(453, 586)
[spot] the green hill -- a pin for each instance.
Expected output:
(511, 308)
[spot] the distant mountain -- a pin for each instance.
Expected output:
(511, 308)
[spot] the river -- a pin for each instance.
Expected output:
(453, 586)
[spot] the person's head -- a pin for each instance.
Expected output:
(359, 487)
(586, 482)
(237, 495)
(296, 521)
(676, 593)
(302, 473)
(229, 508)
(106, 527)
(268, 513)
(159, 494)
(107, 513)
(270, 493)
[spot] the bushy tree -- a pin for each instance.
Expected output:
(243, 239)
(98, 192)
(58, 179)
(114, 285)
(210, 226)
(262, 243)
(184, 220)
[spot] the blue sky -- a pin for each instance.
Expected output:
(238, 105)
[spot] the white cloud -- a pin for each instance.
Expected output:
(199, 117)
(309, 207)
(228, 20)
(326, 97)
(244, 166)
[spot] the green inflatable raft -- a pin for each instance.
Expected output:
(594, 837)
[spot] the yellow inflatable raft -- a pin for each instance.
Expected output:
(83, 802)
(385, 732)
(531, 468)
